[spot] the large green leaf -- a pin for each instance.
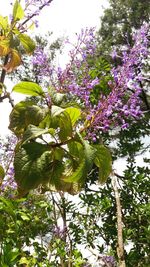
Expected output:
(61, 119)
(76, 175)
(90, 153)
(28, 88)
(89, 150)
(65, 126)
(84, 164)
(76, 150)
(32, 163)
(27, 43)
(33, 132)
(57, 183)
(74, 114)
(23, 114)
(18, 12)
(59, 153)
(103, 161)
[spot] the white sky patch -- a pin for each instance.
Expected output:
(69, 16)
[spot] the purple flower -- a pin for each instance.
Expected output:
(118, 108)
(114, 54)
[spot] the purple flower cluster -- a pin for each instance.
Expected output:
(6, 158)
(122, 105)
(9, 182)
(32, 6)
(40, 61)
(75, 78)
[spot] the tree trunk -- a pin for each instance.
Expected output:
(120, 246)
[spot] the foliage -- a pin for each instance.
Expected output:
(20, 227)
(61, 131)
(120, 21)
(59, 142)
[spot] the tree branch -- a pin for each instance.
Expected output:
(35, 14)
(120, 248)
(2, 78)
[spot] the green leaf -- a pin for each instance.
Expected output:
(55, 111)
(61, 119)
(56, 97)
(2, 173)
(103, 161)
(57, 183)
(89, 151)
(14, 255)
(65, 125)
(76, 150)
(24, 216)
(23, 114)
(74, 114)
(84, 165)
(32, 164)
(77, 174)
(8, 206)
(27, 43)
(24, 260)
(28, 88)
(18, 12)
(59, 153)
(46, 122)
(33, 132)
(4, 22)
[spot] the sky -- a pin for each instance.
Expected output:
(62, 17)
(66, 16)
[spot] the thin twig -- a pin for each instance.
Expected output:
(36, 13)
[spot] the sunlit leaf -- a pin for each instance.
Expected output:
(56, 110)
(74, 114)
(77, 174)
(4, 22)
(33, 132)
(28, 88)
(18, 12)
(27, 43)
(24, 260)
(23, 114)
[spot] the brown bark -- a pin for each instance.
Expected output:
(120, 246)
